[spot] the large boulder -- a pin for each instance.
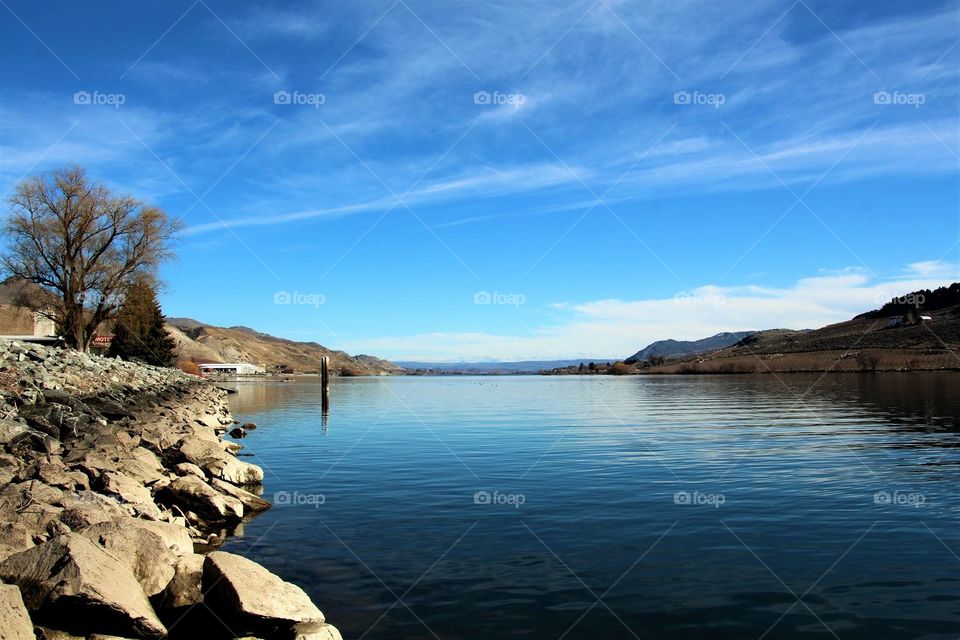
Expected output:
(188, 469)
(84, 508)
(9, 468)
(10, 429)
(107, 407)
(56, 474)
(190, 493)
(72, 579)
(144, 551)
(133, 493)
(215, 460)
(252, 503)
(94, 461)
(160, 436)
(253, 599)
(175, 537)
(142, 465)
(186, 588)
(14, 538)
(31, 492)
(39, 417)
(14, 620)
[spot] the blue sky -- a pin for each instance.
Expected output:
(508, 180)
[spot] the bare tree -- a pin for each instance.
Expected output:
(84, 246)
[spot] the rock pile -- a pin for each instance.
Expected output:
(115, 490)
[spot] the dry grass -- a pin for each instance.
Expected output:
(10, 380)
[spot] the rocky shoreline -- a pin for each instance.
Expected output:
(116, 489)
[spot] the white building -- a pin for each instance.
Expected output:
(235, 368)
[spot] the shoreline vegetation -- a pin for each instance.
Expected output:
(116, 490)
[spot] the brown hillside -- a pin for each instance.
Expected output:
(861, 344)
(198, 342)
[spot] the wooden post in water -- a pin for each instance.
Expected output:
(325, 384)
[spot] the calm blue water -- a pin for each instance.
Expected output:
(674, 507)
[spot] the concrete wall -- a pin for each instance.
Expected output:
(17, 321)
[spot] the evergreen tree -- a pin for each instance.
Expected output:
(138, 332)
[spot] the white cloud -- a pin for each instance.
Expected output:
(617, 328)
(487, 182)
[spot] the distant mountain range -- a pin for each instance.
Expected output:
(494, 368)
(677, 348)
(200, 343)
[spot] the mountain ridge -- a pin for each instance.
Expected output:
(676, 348)
(200, 343)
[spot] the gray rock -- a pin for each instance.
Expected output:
(56, 474)
(212, 457)
(316, 631)
(72, 578)
(39, 417)
(108, 408)
(142, 465)
(9, 429)
(45, 633)
(233, 447)
(14, 620)
(133, 493)
(253, 599)
(190, 493)
(144, 551)
(251, 503)
(14, 538)
(38, 518)
(174, 536)
(31, 492)
(189, 469)
(186, 588)
(9, 468)
(84, 508)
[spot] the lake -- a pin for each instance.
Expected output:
(796, 506)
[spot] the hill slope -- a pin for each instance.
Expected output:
(199, 342)
(675, 348)
(887, 339)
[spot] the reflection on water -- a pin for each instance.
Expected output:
(600, 507)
